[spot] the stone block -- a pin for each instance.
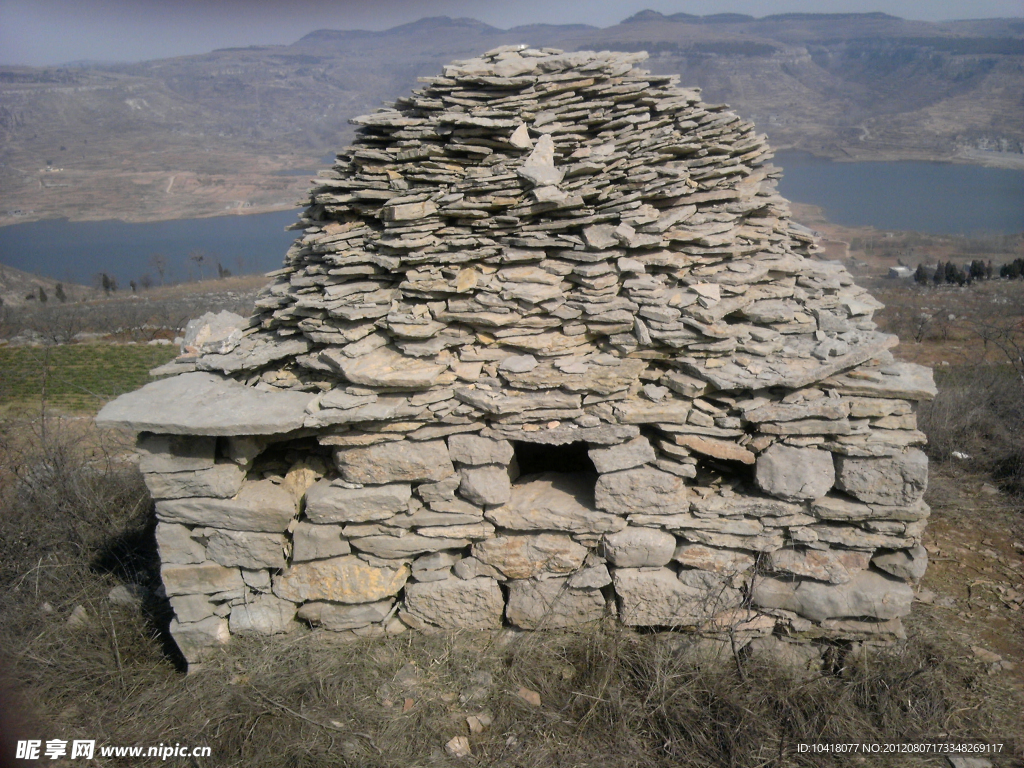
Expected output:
(248, 549)
(259, 506)
(457, 603)
(175, 453)
(866, 594)
(176, 544)
(262, 615)
(476, 450)
(636, 452)
(794, 474)
(908, 564)
(486, 485)
(834, 565)
(643, 490)
(328, 503)
(657, 598)
(900, 480)
(200, 579)
(205, 404)
(199, 640)
(522, 556)
(345, 579)
(340, 617)
(405, 545)
(191, 608)
(635, 547)
(402, 461)
(554, 501)
(552, 604)
(725, 561)
(317, 542)
(221, 481)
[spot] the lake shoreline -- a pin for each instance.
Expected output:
(968, 157)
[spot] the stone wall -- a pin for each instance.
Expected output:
(553, 249)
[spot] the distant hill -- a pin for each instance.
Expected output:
(238, 130)
(17, 286)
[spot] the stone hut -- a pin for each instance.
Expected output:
(548, 349)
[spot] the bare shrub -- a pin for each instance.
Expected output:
(977, 419)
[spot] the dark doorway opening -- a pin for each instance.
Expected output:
(534, 458)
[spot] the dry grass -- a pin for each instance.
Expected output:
(75, 523)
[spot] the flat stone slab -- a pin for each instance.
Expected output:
(205, 404)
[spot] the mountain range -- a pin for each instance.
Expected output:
(240, 129)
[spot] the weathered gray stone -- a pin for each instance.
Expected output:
(262, 615)
(834, 565)
(909, 564)
(594, 577)
(486, 485)
(259, 506)
(470, 568)
(552, 604)
(625, 456)
(522, 556)
(199, 579)
(205, 404)
(405, 544)
(726, 561)
(385, 367)
(473, 449)
(176, 544)
(719, 594)
(247, 549)
(635, 547)
(554, 501)
(215, 333)
(191, 608)
(649, 597)
(396, 462)
(898, 481)
(641, 490)
(339, 617)
(200, 640)
(221, 481)
(457, 603)
(441, 491)
(794, 474)
(317, 542)
(344, 579)
(174, 453)
(867, 593)
(329, 503)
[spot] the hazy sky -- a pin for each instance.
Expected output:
(42, 32)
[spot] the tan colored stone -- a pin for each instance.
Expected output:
(522, 556)
(345, 579)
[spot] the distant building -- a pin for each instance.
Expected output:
(900, 272)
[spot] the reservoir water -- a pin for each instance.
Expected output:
(936, 198)
(77, 252)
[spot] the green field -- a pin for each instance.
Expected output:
(75, 377)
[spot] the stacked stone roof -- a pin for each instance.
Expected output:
(550, 247)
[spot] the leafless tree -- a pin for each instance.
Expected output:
(159, 262)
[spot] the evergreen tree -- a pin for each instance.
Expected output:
(59, 293)
(940, 273)
(43, 298)
(921, 275)
(951, 271)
